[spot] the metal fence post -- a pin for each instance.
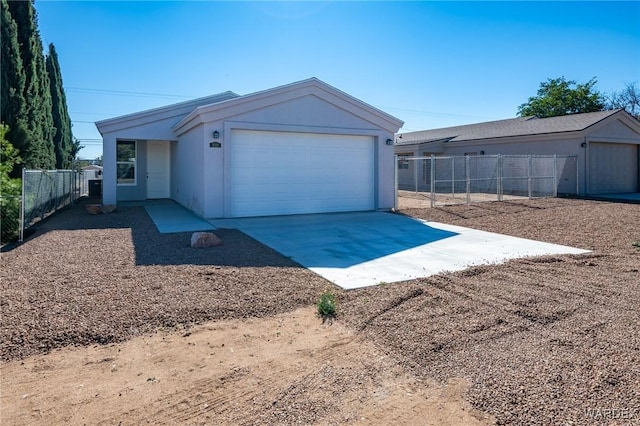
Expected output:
(577, 176)
(467, 171)
(499, 177)
(433, 180)
(395, 181)
(21, 237)
(453, 177)
(529, 167)
(415, 175)
(555, 175)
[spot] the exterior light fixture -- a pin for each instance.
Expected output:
(216, 134)
(389, 141)
(583, 144)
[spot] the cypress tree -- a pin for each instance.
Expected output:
(63, 138)
(12, 103)
(38, 148)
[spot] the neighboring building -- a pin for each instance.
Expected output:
(305, 147)
(92, 172)
(606, 144)
(92, 180)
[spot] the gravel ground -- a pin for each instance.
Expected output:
(551, 340)
(85, 279)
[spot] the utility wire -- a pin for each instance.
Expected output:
(125, 93)
(88, 90)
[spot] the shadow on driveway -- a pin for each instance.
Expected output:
(338, 240)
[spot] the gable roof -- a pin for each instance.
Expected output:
(261, 99)
(177, 110)
(520, 126)
(191, 113)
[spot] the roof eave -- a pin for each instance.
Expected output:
(390, 123)
(162, 112)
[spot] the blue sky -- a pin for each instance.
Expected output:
(431, 64)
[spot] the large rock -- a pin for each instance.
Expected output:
(204, 239)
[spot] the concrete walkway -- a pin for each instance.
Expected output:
(356, 250)
(170, 217)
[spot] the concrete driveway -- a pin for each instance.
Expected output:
(363, 249)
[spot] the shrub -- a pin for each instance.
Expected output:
(10, 219)
(327, 305)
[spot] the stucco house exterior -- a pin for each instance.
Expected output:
(305, 147)
(606, 143)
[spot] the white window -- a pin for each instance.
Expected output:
(403, 163)
(126, 162)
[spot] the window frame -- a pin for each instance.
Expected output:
(403, 163)
(128, 182)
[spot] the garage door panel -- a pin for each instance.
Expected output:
(287, 173)
(613, 168)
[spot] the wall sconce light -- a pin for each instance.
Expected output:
(216, 134)
(583, 144)
(389, 141)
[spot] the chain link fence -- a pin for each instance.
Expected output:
(432, 181)
(43, 193)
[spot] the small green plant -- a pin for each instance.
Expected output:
(327, 305)
(636, 244)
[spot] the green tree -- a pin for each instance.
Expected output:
(13, 107)
(562, 97)
(75, 148)
(627, 99)
(9, 157)
(63, 138)
(37, 150)
(10, 189)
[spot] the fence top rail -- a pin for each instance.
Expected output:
(47, 171)
(449, 157)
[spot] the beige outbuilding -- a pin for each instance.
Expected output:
(606, 145)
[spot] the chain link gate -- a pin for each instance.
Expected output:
(432, 181)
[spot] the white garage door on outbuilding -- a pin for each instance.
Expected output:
(613, 168)
(279, 173)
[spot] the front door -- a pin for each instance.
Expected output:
(158, 169)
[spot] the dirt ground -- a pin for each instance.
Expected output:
(422, 200)
(279, 370)
(104, 321)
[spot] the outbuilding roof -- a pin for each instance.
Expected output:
(520, 126)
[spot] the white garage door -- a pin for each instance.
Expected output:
(276, 173)
(613, 168)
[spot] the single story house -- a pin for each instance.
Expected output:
(606, 145)
(305, 147)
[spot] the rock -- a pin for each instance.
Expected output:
(108, 208)
(204, 239)
(94, 208)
